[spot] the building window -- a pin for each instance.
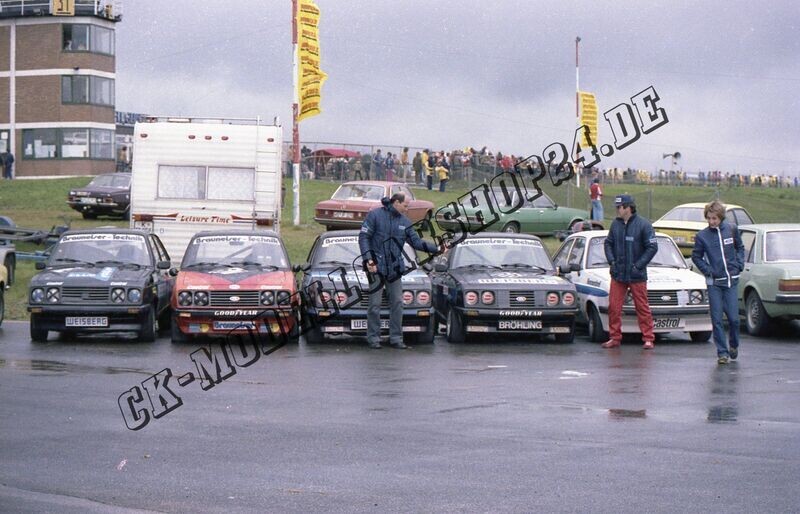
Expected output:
(86, 89)
(68, 143)
(88, 38)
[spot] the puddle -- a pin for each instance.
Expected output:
(65, 367)
(723, 414)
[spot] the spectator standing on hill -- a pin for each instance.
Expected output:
(428, 167)
(443, 170)
(389, 165)
(7, 161)
(405, 165)
(377, 165)
(596, 195)
(416, 167)
(355, 164)
(366, 162)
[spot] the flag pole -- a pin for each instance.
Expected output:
(295, 127)
(577, 110)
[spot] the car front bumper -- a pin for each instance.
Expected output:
(551, 321)
(354, 321)
(119, 318)
(221, 322)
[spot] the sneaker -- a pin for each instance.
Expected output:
(400, 346)
(734, 352)
(722, 360)
(375, 345)
(648, 345)
(610, 344)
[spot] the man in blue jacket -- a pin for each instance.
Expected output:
(630, 246)
(383, 234)
(719, 255)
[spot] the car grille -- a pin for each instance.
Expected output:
(96, 295)
(223, 298)
(515, 299)
(364, 302)
(662, 298)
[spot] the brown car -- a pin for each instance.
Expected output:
(350, 204)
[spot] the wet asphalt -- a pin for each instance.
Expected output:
(488, 426)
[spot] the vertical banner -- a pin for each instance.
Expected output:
(588, 105)
(310, 75)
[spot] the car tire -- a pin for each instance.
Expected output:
(314, 336)
(88, 215)
(756, 318)
(455, 327)
(567, 338)
(10, 263)
(427, 336)
(700, 337)
(38, 334)
(596, 332)
(574, 225)
(149, 326)
(176, 335)
(127, 214)
(512, 227)
(2, 306)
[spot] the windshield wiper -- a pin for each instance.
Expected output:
(78, 262)
(253, 263)
(334, 262)
(491, 266)
(523, 265)
(204, 264)
(120, 264)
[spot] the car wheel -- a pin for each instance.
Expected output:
(511, 227)
(176, 335)
(88, 215)
(11, 266)
(38, 334)
(574, 225)
(2, 306)
(756, 317)
(314, 336)
(427, 336)
(567, 338)
(149, 326)
(596, 332)
(700, 337)
(455, 327)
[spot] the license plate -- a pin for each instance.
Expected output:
(361, 324)
(88, 200)
(234, 325)
(343, 215)
(86, 321)
(523, 324)
(667, 323)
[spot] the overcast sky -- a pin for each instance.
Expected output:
(449, 74)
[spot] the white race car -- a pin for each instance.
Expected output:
(677, 295)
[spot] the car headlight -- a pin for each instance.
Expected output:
(552, 299)
(37, 295)
(408, 297)
(568, 298)
(341, 297)
(323, 298)
(283, 297)
(470, 298)
(185, 298)
(117, 295)
(487, 297)
(267, 297)
(696, 296)
(52, 295)
(134, 296)
(201, 298)
(423, 297)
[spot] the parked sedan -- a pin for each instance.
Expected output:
(101, 280)
(3, 282)
(677, 296)
(541, 216)
(684, 221)
(350, 204)
(769, 285)
(335, 265)
(108, 194)
(233, 282)
(502, 283)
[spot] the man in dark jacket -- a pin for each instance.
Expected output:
(719, 255)
(630, 246)
(383, 234)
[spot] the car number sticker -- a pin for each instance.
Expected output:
(524, 324)
(86, 321)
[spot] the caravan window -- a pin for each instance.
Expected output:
(201, 182)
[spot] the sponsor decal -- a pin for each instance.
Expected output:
(486, 241)
(237, 239)
(521, 313)
(101, 237)
(237, 312)
(522, 324)
(551, 281)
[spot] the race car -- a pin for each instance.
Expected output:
(234, 282)
(499, 282)
(677, 295)
(335, 268)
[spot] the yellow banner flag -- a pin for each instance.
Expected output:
(311, 77)
(588, 105)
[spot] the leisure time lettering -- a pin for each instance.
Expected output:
(203, 219)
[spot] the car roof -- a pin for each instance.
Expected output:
(108, 230)
(772, 227)
(503, 235)
(236, 233)
(702, 205)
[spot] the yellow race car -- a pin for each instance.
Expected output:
(684, 221)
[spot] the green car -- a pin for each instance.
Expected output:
(541, 217)
(769, 286)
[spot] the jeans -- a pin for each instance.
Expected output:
(597, 210)
(429, 179)
(723, 299)
(442, 184)
(394, 291)
(616, 298)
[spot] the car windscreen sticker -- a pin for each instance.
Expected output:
(237, 239)
(500, 241)
(103, 274)
(328, 241)
(101, 237)
(531, 280)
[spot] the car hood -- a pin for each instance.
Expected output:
(694, 226)
(88, 277)
(494, 279)
(416, 278)
(657, 278)
(244, 278)
(99, 190)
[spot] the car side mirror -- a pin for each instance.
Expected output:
(163, 264)
(301, 267)
(40, 265)
(574, 267)
(173, 272)
(427, 267)
(440, 267)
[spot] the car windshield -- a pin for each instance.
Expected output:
(120, 181)
(780, 246)
(541, 202)
(100, 249)
(499, 252)
(358, 192)
(236, 250)
(667, 256)
(344, 250)
(685, 214)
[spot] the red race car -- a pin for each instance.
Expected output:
(234, 282)
(350, 204)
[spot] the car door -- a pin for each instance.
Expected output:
(161, 277)
(544, 215)
(416, 210)
(749, 240)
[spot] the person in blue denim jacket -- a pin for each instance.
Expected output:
(719, 255)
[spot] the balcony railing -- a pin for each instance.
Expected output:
(106, 9)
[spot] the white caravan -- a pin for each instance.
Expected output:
(193, 174)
